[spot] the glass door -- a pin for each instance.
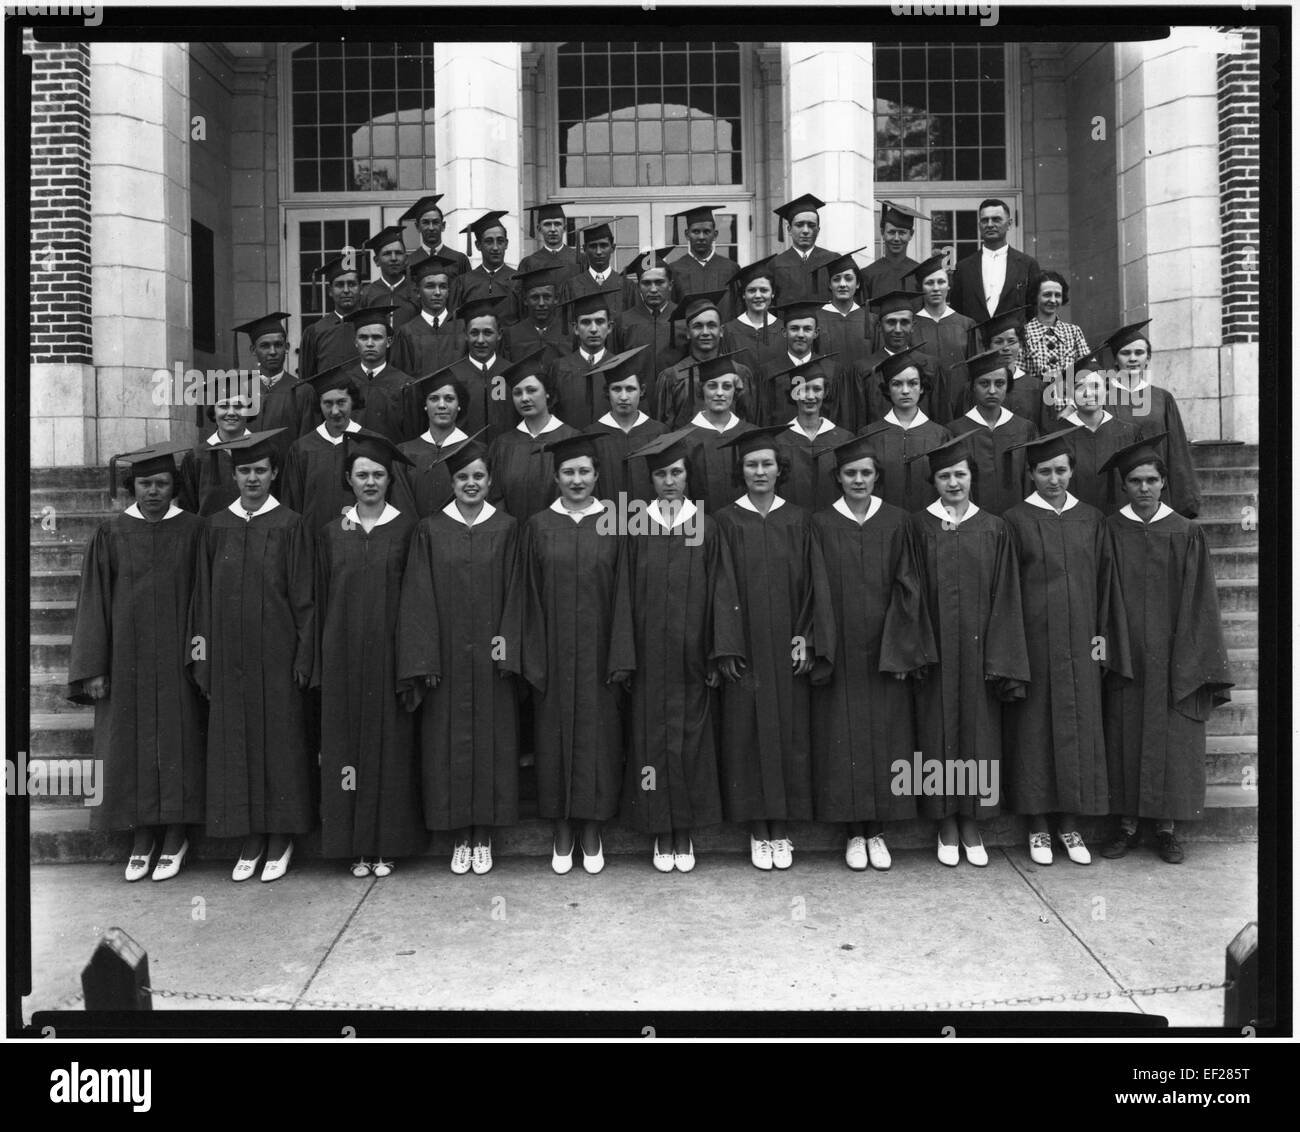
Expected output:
(639, 226)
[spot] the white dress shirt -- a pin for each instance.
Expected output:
(993, 267)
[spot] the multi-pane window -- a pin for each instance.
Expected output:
(320, 241)
(635, 115)
(941, 112)
(362, 117)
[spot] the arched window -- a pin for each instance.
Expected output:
(636, 115)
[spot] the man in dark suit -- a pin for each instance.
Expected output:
(996, 278)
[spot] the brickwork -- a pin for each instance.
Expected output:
(1239, 186)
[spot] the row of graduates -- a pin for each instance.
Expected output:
(840, 642)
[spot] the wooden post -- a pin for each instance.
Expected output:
(1241, 1000)
(117, 974)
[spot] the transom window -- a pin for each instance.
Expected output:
(941, 112)
(362, 117)
(635, 115)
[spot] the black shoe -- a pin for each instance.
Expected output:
(1168, 847)
(1120, 844)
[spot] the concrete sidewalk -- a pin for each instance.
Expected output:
(726, 937)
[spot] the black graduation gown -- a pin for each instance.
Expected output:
(1091, 449)
(848, 336)
(290, 407)
(800, 279)
(523, 479)
(386, 410)
(1000, 480)
(566, 603)
(404, 299)
(521, 338)
(312, 482)
(253, 608)
(769, 396)
(945, 340)
(1155, 725)
(871, 615)
(421, 349)
(619, 475)
(812, 484)
(565, 262)
(370, 778)
(1183, 492)
(1075, 630)
(899, 483)
(678, 394)
(207, 480)
(684, 615)
(765, 763)
(132, 608)
(329, 341)
(450, 625)
(479, 283)
(489, 397)
(972, 591)
(582, 283)
(428, 481)
(714, 465)
(579, 397)
(1027, 397)
(862, 402)
(690, 277)
(884, 275)
(639, 326)
(460, 259)
(751, 342)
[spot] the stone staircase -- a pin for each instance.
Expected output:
(60, 827)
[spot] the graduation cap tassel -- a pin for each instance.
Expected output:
(112, 479)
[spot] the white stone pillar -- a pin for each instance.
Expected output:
(1167, 111)
(832, 136)
(476, 106)
(140, 227)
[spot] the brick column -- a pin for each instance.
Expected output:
(62, 376)
(832, 136)
(479, 162)
(1167, 110)
(140, 217)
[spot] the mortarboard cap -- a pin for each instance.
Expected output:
(485, 223)
(1126, 334)
(648, 261)
(589, 303)
(393, 234)
(692, 306)
(431, 265)
(755, 440)
(922, 271)
(1000, 323)
(1089, 361)
(619, 367)
(720, 365)
(843, 263)
(818, 366)
(698, 214)
(791, 209)
(894, 364)
(859, 448)
(1133, 455)
(373, 446)
(984, 363)
(273, 323)
(601, 231)
(477, 308)
(419, 388)
(530, 365)
(160, 457)
(569, 448)
(456, 456)
(421, 206)
(800, 308)
(899, 215)
(538, 277)
(759, 269)
(354, 261)
(336, 377)
(253, 447)
(893, 301)
(946, 455)
(665, 449)
(552, 210)
(372, 316)
(1046, 447)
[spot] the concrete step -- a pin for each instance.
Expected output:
(53, 618)
(50, 653)
(55, 585)
(69, 477)
(62, 734)
(76, 499)
(48, 694)
(1238, 595)
(1240, 717)
(1245, 668)
(1232, 760)
(1227, 479)
(1229, 532)
(1224, 454)
(1235, 562)
(1229, 505)
(68, 526)
(57, 555)
(1240, 630)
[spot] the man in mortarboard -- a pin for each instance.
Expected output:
(624, 428)
(996, 278)
(572, 375)
(542, 324)
(648, 322)
(799, 269)
(554, 255)
(493, 277)
(380, 382)
(890, 271)
(846, 327)
(676, 395)
(433, 338)
(600, 275)
(279, 406)
(862, 401)
(799, 343)
(394, 286)
(702, 269)
(426, 215)
(482, 371)
(330, 340)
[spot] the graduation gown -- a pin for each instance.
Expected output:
(678, 393)
(450, 625)
(1182, 492)
(619, 475)
(521, 338)
(565, 262)
(639, 326)
(566, 602)
(312, 481)
(489, 397)
(972, 591)
(404, 298)
(1054, 739)
(769, 397)
(862, 402)
(797, 278)
(329, 341)
(999, 482)
(479, 283)
(811, 484)
(683, 614)
(765, 764)
(386, 410)
(578, 396)
(523, 479)
(899, 483)
(460, 259)
(945, 339)
(253, 606)
(370, 778)
(428, 480)
(1092, 448)
(848, 336)
(582, 283)
(207, 480)
(714, 464)
(290, 407)
(751, 342)
(420, 348)
(1026, 397)
(132, 608)
(885, 275)
(690, 277)
(1155, 724)
(871, 614)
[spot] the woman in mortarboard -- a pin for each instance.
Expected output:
(253, 612)
(938, 329)
(1076, 632)
(1098, 436)
(764, 760)
(1155, 724)
(809, 440)
(995, 434)
(846, 327)
(624, 428)
(1028, 396)
(129, 650)
(756, 329)
(454, 652)
(446, 405)
(680, 634)
(971, 581)
(873, 631)
(207, 480)
(370, 782)
(712, 426)
(565, 603)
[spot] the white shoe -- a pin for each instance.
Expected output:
(663, 861)
(361, 868)
(274, 870)
(1075, 847)
(878, 851)
(594, 862)
(976, 854)
(461, 858)
(685, 862)
(855, 855)
(562, 864)
(782, 853)
(168, 866)
(137, 865)
(760, 854)
(949, 855)
(1040, 848)
(245, 867)
(481, 858)
(382, 868)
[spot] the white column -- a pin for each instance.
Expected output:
(477, 92)
(1168, 161)
(832, 136)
